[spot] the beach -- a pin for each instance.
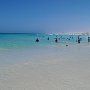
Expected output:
(47, 68)
(44, 44)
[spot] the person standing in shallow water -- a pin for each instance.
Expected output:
(56, 40)
(79, 39)
(88, 39)
(37, 40)
(48, 38)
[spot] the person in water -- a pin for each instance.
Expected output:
(48, 38)
(56, 40)
(79, 39)
(88, 39)
(37, 40)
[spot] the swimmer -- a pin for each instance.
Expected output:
(37, 40)
(56, 40)
(48, 38)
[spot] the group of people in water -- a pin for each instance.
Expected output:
(79, 39)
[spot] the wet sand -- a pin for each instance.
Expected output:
(56, 68)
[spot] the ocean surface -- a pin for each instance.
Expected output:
(21, 41)
(45, 65)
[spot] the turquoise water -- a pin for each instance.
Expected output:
(17, 41)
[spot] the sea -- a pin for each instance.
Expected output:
(45, 65)
(24, 41)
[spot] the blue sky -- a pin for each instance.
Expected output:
(50, 16)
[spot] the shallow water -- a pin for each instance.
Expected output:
(20, 41)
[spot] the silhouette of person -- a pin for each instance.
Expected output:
(37, 40)
(88, 39)
(79, 39)
(48, 38)
(56, 40)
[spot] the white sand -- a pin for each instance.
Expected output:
(65, 68)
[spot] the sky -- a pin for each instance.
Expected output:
(45, 16)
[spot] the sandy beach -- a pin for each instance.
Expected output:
(44, 44)
(56, 68)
